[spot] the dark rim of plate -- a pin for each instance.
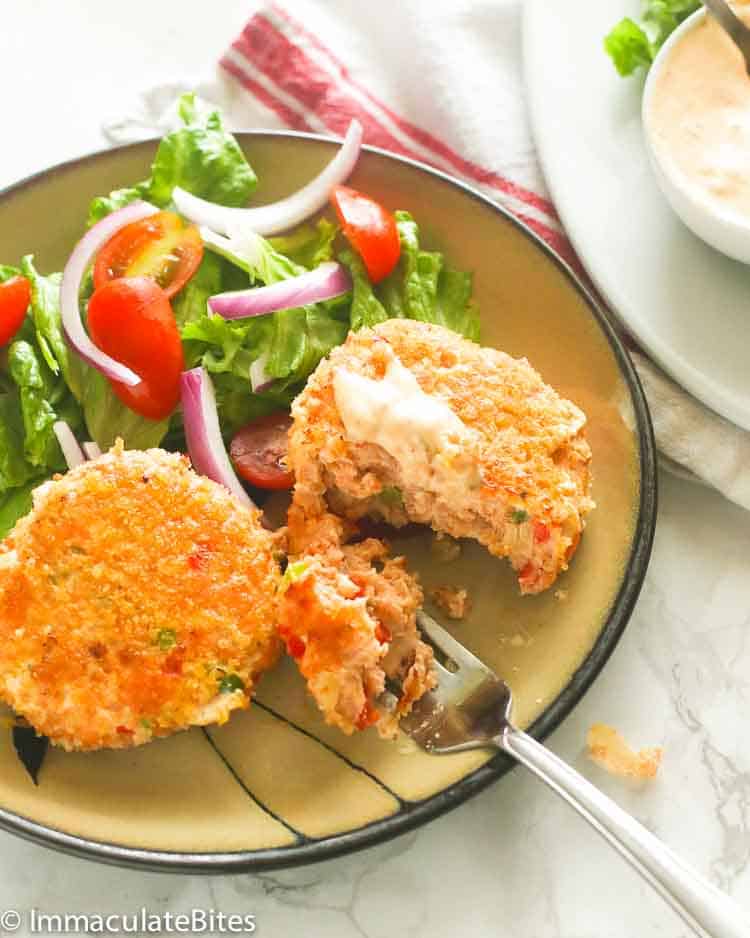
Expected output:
(411, 815)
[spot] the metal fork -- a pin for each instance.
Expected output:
(470, 709)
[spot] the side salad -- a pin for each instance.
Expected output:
(633, 46)
(179, 302)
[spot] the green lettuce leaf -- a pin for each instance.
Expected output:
(33, 395)
(412, 287)
(14, 505)
(291, 341)
(107, 418)
(307, 245)
(454, 307)
(237, 406)
(6, 272)
(45, 315)
(301, 338)
(55, 384)
(664, 16)
(227, 350)
(628, 46)
(215, 275)
(632, 46)
(269, 266)
(201, 157)
(14, 470)
(104, 205)
(40, 396)
(224, 345)
(420, 287)
(294, 340)
(367, 310)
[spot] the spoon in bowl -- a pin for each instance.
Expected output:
(738, 32)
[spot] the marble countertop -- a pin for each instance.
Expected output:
(513, 861)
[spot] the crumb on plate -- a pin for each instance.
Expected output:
(609, 750)
(453, 600)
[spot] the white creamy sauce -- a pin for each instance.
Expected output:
(700, 115)
(433, 447)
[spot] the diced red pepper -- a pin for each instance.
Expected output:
(198, 560)
(173, 662)
(383, 633)
(295, 646)
(367, 716)
(541, 532)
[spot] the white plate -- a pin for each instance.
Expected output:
(688, 305)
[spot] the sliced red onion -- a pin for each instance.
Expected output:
(203, 434)
(278, 216)
(259, 377)
(68, 444)
(70, 288)
(91, 450)
(324, 283)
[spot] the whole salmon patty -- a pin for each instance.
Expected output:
(136, 599)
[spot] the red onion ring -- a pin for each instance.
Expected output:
(70, 288)
(203, 434)
(277, 216)
(324, 283)
(259, 377)
(91, 450)
(68, 444)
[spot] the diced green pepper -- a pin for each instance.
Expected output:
(166, 639)
(231, 683)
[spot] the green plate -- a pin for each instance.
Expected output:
(275, 786)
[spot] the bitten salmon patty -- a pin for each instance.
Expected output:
(411, 422)
(136, 599)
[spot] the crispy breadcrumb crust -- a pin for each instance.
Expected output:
(348, 616)
(532, 454)
(136, 599)
(609, 750)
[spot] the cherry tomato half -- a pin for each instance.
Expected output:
(15, 296)
(371, 230)
(161, 247)
(131, 320)
(259, 452)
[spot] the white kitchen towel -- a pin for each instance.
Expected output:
(439, 81)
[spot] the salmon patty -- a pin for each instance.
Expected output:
(348, 616)
(412, 423)
(136, 599)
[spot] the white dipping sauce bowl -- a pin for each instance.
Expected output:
(726, 232)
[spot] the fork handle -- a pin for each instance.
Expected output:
(709, 912)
